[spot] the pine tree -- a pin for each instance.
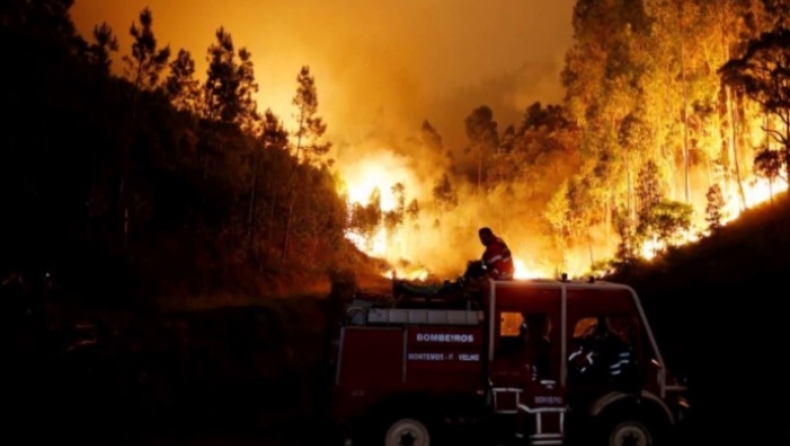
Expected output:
(310, 130)
(311, 127)
(230, 84)
(181, 87)
(147, 61)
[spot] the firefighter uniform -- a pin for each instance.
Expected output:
(607, 359)
(499, 261)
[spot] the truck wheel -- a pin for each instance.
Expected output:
(407, 432)
(630, 433)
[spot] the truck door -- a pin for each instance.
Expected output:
(604, 346)
(526, 357)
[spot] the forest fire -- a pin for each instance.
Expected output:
(383, 194)
(663, 156)
(377, 190)
(756, 192)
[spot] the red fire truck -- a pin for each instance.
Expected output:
(537, 362)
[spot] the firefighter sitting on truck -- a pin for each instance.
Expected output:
(496, 258)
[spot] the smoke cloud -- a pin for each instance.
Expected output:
(381, 69)
(380, 66)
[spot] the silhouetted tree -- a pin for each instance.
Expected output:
(431, 138)
(310, 126)
(182, 88)
(763, 73)
(649, 190)
(143, 69)
(145, 65)
(768, 164)
(99, 52)
(444, 194)
(230, 83)
(273, 137)
(310, 130)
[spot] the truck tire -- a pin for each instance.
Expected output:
(406, 432)
(629, 433)
(631, 424)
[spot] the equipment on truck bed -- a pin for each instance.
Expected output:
(416, 366)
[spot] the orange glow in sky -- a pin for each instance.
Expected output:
(383, 64)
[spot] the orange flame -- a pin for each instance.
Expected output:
(383, 171)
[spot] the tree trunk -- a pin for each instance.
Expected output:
(737, 134)
(686, 161)
(125, 192)
(733, 147)
(726, 141)
(607, 212)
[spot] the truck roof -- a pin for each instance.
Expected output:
(438, 316)
(584, 283)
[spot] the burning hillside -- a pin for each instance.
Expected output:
(395, 216)
(663, 137)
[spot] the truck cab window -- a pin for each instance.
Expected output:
(526, 337)
(603, 351)
(510, 324)
(511, 336)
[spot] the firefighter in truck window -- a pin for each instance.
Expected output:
(603, 357)
(525, 338)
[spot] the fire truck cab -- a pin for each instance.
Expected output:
(540, 362)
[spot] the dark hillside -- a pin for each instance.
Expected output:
(114, 189)
(718, 312)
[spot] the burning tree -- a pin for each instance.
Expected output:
(714, 211)
(557, 215)
(668, 220)
(768, 164)
(481, 129)
(393, 219)
(763, 74)
(444, 195)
